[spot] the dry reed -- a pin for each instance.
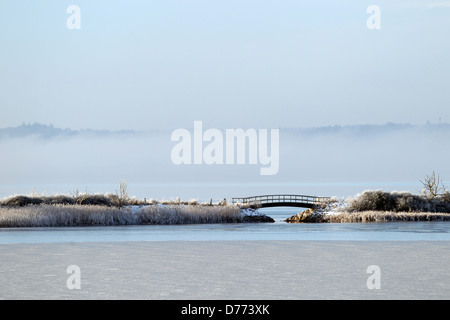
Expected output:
(58, 215)
(384, 216)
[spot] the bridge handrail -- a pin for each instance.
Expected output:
(293, 198)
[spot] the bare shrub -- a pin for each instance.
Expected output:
(21, 201)
(78, 196)
(326, 204)
(371, 200)
(97, 200)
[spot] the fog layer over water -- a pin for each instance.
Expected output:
(328, 161)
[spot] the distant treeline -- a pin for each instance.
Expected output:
(49, 131)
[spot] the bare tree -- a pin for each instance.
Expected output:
(123, 196)
(433, 186)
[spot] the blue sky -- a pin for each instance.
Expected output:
(260, 64)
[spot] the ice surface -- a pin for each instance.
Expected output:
(226, 270)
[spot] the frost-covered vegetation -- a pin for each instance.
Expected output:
(384, 216)
(83, 209)
(109, 200)
(397, 202)
(381, 206)
(60, 215)
(431, 205)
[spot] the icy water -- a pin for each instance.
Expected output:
(228, 261)
(280, 230)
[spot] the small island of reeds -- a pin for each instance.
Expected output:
(82, 209)
(379, 206)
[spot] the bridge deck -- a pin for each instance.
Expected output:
(280, 200)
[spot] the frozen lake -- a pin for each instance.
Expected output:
(226, 270)
(391, 231)
(228, 261)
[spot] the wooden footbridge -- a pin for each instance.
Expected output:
(280, 200)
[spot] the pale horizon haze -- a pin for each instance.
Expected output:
(161, 65)
(259, 64)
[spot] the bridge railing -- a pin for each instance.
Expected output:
(279, 198)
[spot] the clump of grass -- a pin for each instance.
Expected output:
(20, 201)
